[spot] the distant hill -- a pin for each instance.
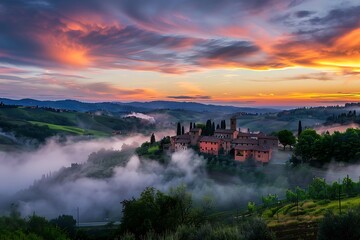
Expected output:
(118, 107)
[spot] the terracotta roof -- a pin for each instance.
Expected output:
(185, 136)
(254, 148)
(224, 131)
(268, 137)
(245, 141)
(226, 140)
(210, 139)
(182, 140)
(243, 134)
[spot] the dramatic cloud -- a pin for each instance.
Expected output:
(67, 86)
(157, 35)
(303, 13)
(145, 39)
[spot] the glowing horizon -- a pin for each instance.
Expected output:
(244, 53)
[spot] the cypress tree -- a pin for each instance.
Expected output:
(191, 125)
(178, 130)
(217, 126)
(182, 130)
(224, 124)
(152, 139)
(208, 128)
(299, 128)
(213, 128)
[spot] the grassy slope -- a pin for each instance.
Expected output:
(309, 211)
(71, 130)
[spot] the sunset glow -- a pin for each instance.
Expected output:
(268, 53)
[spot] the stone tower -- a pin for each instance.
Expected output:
(233, 123)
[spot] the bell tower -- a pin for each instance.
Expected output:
(233, 123)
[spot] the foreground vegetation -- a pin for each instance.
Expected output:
(36, 228)
(321, 211)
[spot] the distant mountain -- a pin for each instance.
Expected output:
(199, 107)
(118, 107)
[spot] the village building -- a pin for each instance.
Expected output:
(270, 141)
(245, 142)
(226, 133)
(195, 134)
(226, 145)
(181, 142)
(258, 153)
(210, 145)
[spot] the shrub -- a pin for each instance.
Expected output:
(338, 227)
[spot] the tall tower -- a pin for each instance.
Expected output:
(233, 123)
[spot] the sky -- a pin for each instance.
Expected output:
(231, 52)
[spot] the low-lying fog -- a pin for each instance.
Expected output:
(99, 198)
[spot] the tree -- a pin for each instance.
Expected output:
(41, 227)
(191, 125)
(156, 211)
(349, 186)
(223, 124)
(270, 200)
(66, 223)
(286, 137)
(318, 189)
(182, 130)
(217, 126)
(213, 128)
(178, 130)
(299, 128)
(306, 145)
(251, 207)
(208, 128)
(294, 196)
(152, 139)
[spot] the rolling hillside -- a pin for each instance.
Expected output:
(34, 125)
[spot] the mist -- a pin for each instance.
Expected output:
(99, 198)
(20, 169)
(142, 116)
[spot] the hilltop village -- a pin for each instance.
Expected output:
(242, 145)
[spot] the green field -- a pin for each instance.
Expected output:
(72, 130)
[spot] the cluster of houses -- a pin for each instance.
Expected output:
(243, 145)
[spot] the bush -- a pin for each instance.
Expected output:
(255, 229)
(339, 227)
